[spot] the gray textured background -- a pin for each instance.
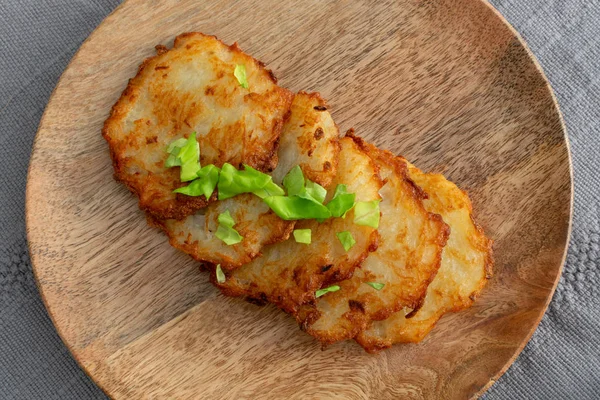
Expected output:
(37, 39)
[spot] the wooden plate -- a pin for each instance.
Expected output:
(446, 83)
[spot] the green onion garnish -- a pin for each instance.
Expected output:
(205, 183)
(367, 213)
(220, 275)
(302, 236)
(314, 191)
(376, 285)
(189, 156)
(173, 149)
(341, 202)
(233, 182)
(321, 292)
(294, 208)
(225, 231)
(271, 189)
(240, 74)
(346, 239)
(296, 185)
(294, 181)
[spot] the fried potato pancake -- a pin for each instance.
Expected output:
(192, 88)
(406, 261)
(288, 273)
(258, 225)
(466, 267)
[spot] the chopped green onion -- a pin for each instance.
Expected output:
(367, 213)
(220, 275)
(179, 143)
(240, 75)
(189, 156)
(293, 208)
(346, 239)
(321, 292)
(172, 161)
(314, 191)
(225, 231)
(296, 185)
(271, 189)
(226, 219)
(376, 285)
(302, 236)
(233, 182)
(205, 183)
(294, 181)
(173, 150)
(341, 202)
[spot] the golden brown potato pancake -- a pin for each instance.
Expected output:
(316, 154)
(288, 273)
(406, 261)
(466, 266)
(192, 88)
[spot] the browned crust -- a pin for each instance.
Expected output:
(183, 205)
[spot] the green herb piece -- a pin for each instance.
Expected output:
(293, 208)
(341, 202)
(296, 185)
(376, 285)
(271, 189)
(346, 239)
(240, 75)
(176, 144)
(367, 213)
(314, 191)
(294, 181)
(220, 275)
(302, 236)
(321, 292)
(225, 231)
(189, 156)
(233, 182)
(205, 183)
(173, 149)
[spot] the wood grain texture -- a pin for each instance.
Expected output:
(446, 83)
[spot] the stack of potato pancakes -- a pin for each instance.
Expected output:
(257, 184)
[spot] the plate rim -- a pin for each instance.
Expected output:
(526, 338)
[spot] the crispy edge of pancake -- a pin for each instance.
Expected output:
(419, 267)
(296, 285)
(181, 205)
(411, 326)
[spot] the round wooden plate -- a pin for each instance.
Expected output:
(446, 83)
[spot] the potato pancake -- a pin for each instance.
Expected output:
(192, 88)
(466, 267)
(288, 273)
(397, 274)
(316, 154)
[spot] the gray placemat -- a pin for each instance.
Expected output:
(38, 38)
